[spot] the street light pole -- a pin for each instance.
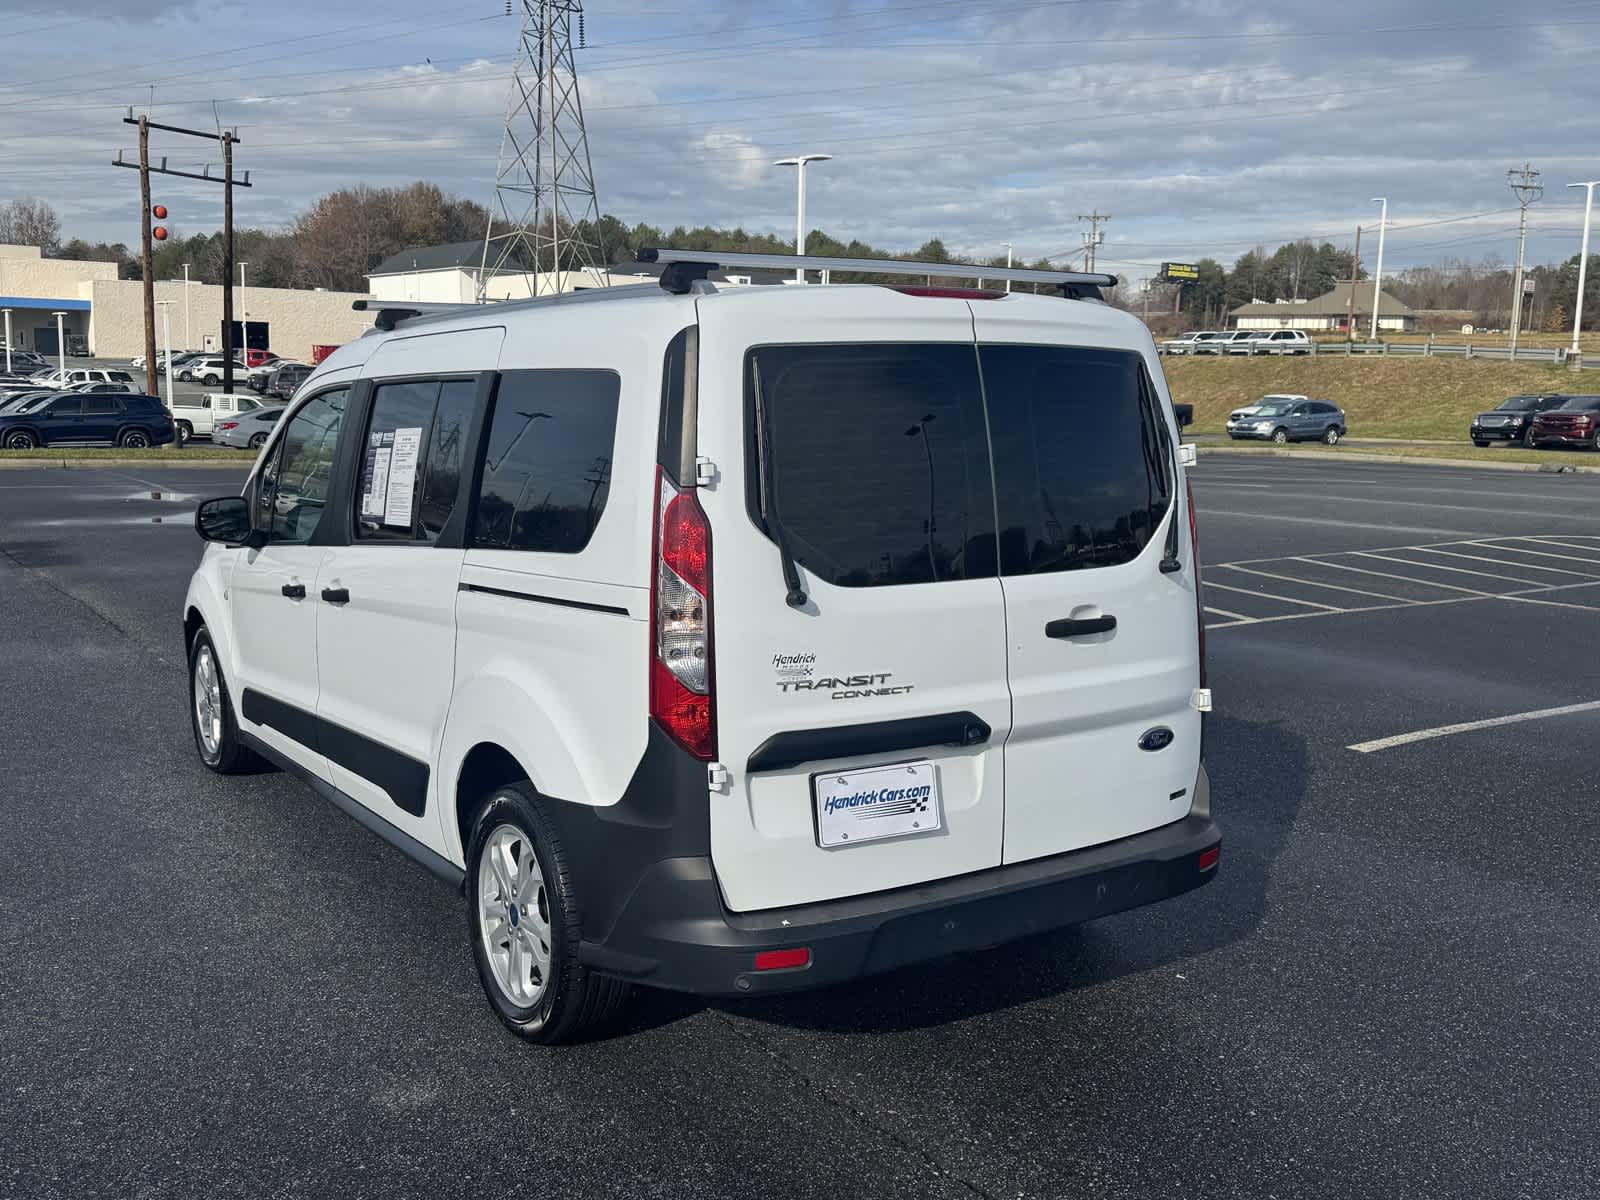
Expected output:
(186, 344)
(1583, 261)
(799, 162)
(8, 341)
(1377, 279)
(244, 312)
(166, 338)
(61, 345)
(1008, 263)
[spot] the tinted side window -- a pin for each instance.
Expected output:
(446, 445)
(294, 485)
(70, 406)
(547, 460)
(391, 471)
(1081, 464)
(879, 467)
(100, 406)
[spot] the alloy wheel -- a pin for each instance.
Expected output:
(514, 915)
(208, 701)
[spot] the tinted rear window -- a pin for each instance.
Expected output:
(1581, 404)
(880, 459)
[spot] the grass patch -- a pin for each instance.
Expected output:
(1465, 452)
(1382, 397)
(154, 454)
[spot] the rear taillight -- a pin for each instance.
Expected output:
(682, 696)
(229, 425)
(1194, 560)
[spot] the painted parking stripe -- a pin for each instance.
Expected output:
(1439, 731)
(1508, 549)
(1501, 562)
(1331, 587)
(1554, 541)
(1449, 587)
(1269, 596)
(1429, 566)
(1222, 612)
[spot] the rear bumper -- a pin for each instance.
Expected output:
(673, 931)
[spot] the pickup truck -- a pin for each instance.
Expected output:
(197, 418)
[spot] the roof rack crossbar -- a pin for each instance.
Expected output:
(721, 260)
(391, 312)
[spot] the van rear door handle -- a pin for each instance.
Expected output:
(1069, 627)
(295, 591)
(336, 595)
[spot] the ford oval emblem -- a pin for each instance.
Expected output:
(1158, 738)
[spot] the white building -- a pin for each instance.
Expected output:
(1326, 313)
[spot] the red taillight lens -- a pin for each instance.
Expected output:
(1194, 559)
(229, 425)
(782, 960)
(682, 696)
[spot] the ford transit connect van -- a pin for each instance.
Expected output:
(732, 641)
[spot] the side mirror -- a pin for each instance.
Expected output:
(227, 520)
(1185, 415)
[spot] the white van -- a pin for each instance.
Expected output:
(732, 641)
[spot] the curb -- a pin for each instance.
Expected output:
(1357, 456)
(90, 464)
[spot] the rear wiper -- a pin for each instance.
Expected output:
(796, 596)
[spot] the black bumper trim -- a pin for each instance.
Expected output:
(674, 933)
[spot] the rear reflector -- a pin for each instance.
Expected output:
(782, 960)
(1209, 858)
(951, 293)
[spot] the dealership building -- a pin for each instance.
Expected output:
(104, 316)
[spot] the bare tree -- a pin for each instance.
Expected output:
(30, 223)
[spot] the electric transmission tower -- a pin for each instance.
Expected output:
(1525, 184)
(544, 185)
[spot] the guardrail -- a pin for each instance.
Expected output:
(1557, 355)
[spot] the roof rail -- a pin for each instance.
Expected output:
(391, 312)
(683, 267)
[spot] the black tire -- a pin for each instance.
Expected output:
(185, 431)
(1482, 442)
(1527, 437)
(22, 439)
(230, 757)
(1330, 436)
(1280, 436)
(575, 1001)
(211, 380)
(134, 439)
(257, 440)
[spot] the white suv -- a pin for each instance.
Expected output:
(728, 641)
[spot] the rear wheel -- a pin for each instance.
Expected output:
(522, 920)
(1280, 436)
(185, 432)
(21, 439)
(257, 440)
(134, 439)
(1330, 436)
(211, 380)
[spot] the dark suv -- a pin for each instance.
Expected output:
(1576, 422)
(1512, 419)
(78, 420)
(285, 379)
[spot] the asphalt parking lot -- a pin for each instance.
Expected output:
(227, 988)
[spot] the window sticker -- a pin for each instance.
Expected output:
(375, 475)
(401, 495)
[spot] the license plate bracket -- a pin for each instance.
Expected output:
(869, 804)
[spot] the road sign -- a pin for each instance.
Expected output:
(1180, 272)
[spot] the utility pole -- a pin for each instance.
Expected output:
(1377, 278)
(228, 138)
(1355, 274)
(1583, 265)
(145, 256)
(1092, 239)
(1527, 188)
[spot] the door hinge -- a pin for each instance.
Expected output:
(705, 472)
(717, 777)
(1200, 700)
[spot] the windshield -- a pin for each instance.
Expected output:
(1276, 409)
(1517, 404)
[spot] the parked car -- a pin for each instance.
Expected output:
(67, 419)
(285, 378)
(467, 594)
(60, 378)
(259, 358)
(248, 430)
(1575, 422)
(24, 362)
(1209, 342)
(197, 416)
(22, 401)
(208, 370)
(259, 377)
(1279, 341)
(1239, 341)
(100, 385)
(1283, 419)
(1182, 344)
(1512, 419)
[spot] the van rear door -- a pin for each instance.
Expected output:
(1103, 645)
(885, 691)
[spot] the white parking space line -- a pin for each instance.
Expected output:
(1500, 562)
(1449, 587)
(1554, 541)
(1210, 514)
(1270, 596)
(1507, 549)
(1429, 566)
(1331, 587)
(1550, 603)
(1439, 731)
(1222, 612)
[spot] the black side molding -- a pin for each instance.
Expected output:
(559, 601)
(790, 749)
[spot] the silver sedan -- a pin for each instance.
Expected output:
(247, 430)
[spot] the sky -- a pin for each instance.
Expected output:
(1204, 127)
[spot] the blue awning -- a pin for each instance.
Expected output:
(47, 305)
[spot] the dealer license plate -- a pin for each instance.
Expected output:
(878, 802)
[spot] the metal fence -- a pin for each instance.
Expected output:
(1530, 354)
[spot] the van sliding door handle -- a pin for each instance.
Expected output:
(336, 595)
(295, 591)
(1068, 627)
